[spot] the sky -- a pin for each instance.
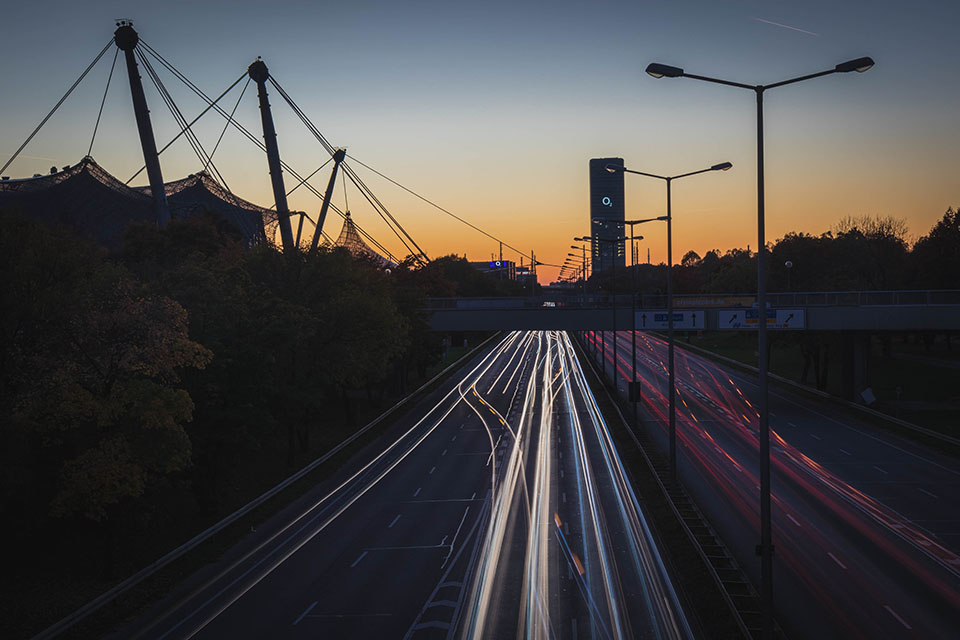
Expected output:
(493, 109)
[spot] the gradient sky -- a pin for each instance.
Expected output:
(493, 109)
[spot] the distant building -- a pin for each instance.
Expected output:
(500, 269)
(606, 215)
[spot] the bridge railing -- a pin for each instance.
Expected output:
(927, 297)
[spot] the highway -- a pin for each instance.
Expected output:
(866, 524)
(499, 510)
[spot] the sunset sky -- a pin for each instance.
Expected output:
(493, 109)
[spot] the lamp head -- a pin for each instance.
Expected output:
(614, 168)
(658, 70)
(859, 65)
(723, 166)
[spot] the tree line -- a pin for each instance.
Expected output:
(859, 253)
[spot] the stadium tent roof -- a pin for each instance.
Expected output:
(350, 240)
(89, 199)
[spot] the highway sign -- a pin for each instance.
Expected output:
(749, 319)
(658, 319)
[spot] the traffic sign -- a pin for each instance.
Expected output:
(659, 319)
(740, 319)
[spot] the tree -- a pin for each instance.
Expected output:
(936, 256)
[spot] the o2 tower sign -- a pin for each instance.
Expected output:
(606, 214)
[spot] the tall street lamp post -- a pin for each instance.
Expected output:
(765, 548)
(672, 393)
(613, 287)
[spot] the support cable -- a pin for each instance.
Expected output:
(449, 213)
(233, 111)
(194, 121)
(103, 102)
(255, 140)
(378, 206)
(181, 120)
(57, 106)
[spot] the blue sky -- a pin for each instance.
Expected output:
(494, 109)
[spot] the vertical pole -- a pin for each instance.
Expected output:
(259, 73)
(127, 39)
(766, 541)
(616, 251)
(672, 394)
(338, 157)
(633, 324)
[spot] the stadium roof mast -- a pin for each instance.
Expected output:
(259, 73)
(127, 39)
(337, 159)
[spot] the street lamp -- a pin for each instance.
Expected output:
(672, 393)
(765, 548)
(613, 287)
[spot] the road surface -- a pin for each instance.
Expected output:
(503, 511)
(866, 525)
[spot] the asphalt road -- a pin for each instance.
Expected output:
(500, 510)
(866, 524)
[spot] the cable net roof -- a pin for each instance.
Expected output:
(350, 240)
(89, 199)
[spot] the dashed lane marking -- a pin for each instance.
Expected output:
(301, 616)
(355, 562)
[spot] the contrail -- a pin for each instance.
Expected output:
(786, 26)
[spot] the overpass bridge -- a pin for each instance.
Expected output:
(932, 310)
(856, 314)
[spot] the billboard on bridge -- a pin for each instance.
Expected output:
(740, 319)
(659, 319)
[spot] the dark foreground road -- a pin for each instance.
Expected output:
(501, 510)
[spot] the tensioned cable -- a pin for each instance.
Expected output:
(233, 111)
(103, 102)
(450, 213)
(198, 148)
(365, 191)
(312, 173)
(182, 131)
(57, 106)
(182, 121)
(378, 206)
(203, 96)
(202, 155)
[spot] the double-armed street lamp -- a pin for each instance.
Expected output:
(765, 548)
(671, 394)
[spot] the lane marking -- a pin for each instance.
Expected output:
(899, 619)
(390, 526)
(846, 453)
(932, 495)
(432, 469)
(813, 435)
(881, 470)
(417, 492)
(791, 424)
(834, 558)
(474, 495)
(308, 610)
(792, 519)
(358, 559)
(444, 452)
(564, 497)
(453, 438)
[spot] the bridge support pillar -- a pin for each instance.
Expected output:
(855, 366)
(126, 40)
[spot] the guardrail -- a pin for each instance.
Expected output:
(906, 298)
